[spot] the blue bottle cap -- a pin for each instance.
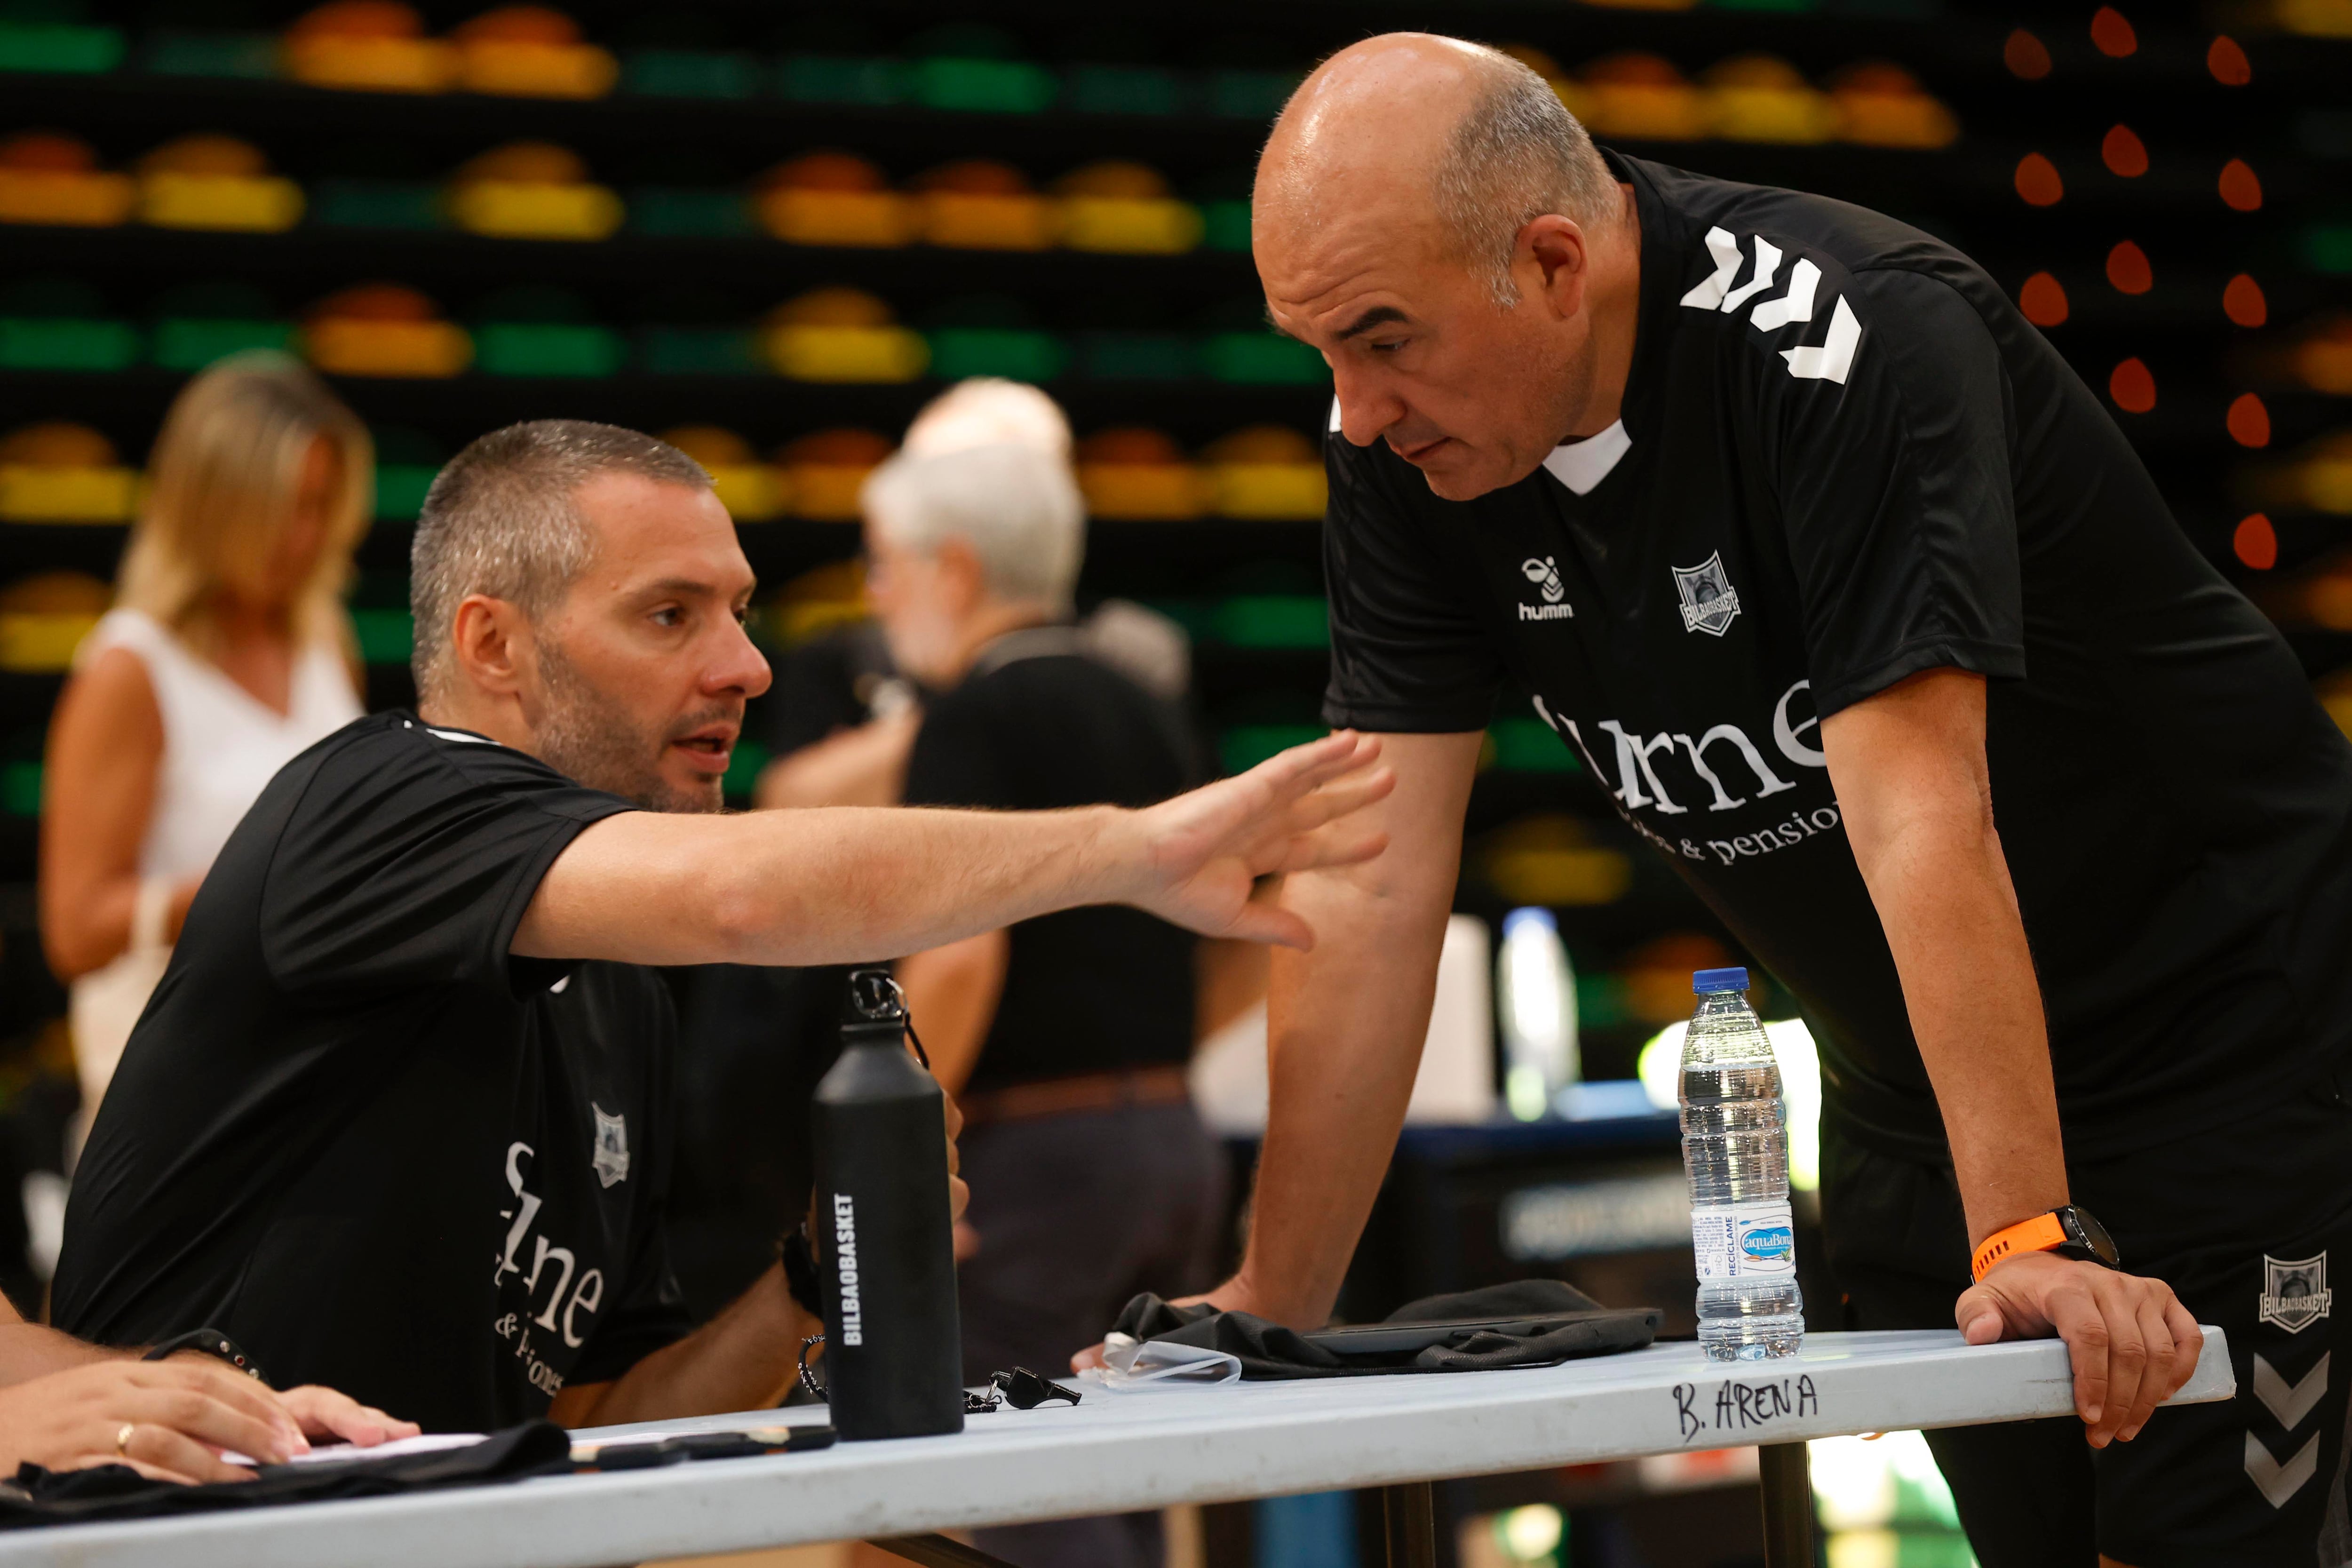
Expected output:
(1707, 980)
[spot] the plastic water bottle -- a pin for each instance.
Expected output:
(1736, 1151)
(894, 1351)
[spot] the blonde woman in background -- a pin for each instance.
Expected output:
(229, 651)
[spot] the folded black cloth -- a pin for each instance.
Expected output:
(1544, 1322)
(38, 1496)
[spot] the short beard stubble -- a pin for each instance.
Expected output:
(587, 738)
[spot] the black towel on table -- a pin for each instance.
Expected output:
(38, 1496)
(1568, 1324)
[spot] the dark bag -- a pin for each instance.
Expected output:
(1530, 1322)
(38, 1496)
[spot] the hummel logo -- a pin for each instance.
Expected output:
(2276, 1481)
(1832, 358)
(1544, 571)
(2289, 1403)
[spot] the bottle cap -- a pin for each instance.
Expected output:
(1710, 980)
(874, 1009)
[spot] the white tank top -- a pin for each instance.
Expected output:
(221, 743)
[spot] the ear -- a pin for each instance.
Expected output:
(492, 641)
(961, 572)
(1552, 249)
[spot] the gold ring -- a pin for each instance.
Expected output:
(122, 1439)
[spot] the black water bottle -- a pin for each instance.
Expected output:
(894, 1350)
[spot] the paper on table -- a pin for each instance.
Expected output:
(766, 1431)
(1131, 1365)
(427, 1443)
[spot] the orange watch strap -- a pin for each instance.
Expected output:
(2039, 1234)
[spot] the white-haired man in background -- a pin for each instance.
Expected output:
(1066, 1035)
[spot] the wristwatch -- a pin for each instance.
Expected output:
(2070, 1231)
(212, 1342)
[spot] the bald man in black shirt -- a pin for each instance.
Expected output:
(1819, 558)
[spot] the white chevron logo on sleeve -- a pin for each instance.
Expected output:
(1796, 305)
(1768, 262)
(2276, 1481)
(1834, 358)
(1708, 293)
(2289, 1405)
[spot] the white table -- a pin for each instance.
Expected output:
(1116, 1452)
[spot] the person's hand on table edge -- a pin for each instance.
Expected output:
(2132, 1343)
(1231, 1296)
(172, 1420)
(1213, 859)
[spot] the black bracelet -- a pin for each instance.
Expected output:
(801, 1278)
(212, 1342)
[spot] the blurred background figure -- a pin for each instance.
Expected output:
(843, 713)
(1064, 1038)
(226, 653)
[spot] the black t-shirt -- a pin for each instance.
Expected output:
(1034, 727)
(1846, 458)
(832, 682)
(356, 1135)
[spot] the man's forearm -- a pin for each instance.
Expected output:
(821, 886)
(30, 1350)
(744, 1358)
(1952, 920)
(1344, 1027)
(1912, 781)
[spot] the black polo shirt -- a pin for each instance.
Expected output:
(1040, 725)
(1846, 458)
(356, 1134)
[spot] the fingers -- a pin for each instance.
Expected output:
(1333, 847)
(1979, 1316)
(152, 1472)
(1263, 919)
(2156, 1381)
(958, 1198)
(2188, 1336)
(2128, 1366)
(215, 1407)
(1295, 771)
(327, 1412)
(2078, 1320)
(954, 1114)
(160, 1445)
(1090, 1356)
(1341, 798)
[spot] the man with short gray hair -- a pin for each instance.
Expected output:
(397, 1118)
(1064, 1037)
(1819, 557)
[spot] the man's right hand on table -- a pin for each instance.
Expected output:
(172, 1420)
(2132, 1342)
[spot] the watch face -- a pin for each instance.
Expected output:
(2082, 1226)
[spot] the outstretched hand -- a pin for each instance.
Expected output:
(2132, 1342)
(1204, 852)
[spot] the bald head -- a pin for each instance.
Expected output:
(1454, 140)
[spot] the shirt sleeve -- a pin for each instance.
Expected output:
(1894, 486)
(1409, 652)
(954, 760)
(409, 861)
